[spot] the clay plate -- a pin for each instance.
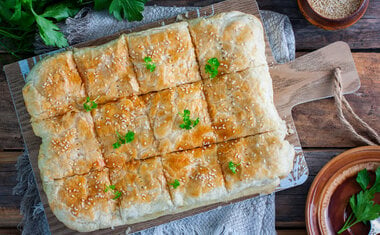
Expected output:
(327, 201)
(331, 24)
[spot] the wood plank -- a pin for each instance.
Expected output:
(316, 122)
(10, 231)
(291, 232)
(290, 204)
(9, 217)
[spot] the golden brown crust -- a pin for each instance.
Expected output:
(68, 146)
(198, 173)
(236, 39)
(107, 71)
(241, 104)
(163, 111)
(231, 106)
(123, 116)
(81, 202)
(53, 87)
(171, 50)
(259, 160)
(143, 189)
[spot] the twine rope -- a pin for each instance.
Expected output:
(343, 107)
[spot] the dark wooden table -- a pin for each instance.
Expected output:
(322, 136)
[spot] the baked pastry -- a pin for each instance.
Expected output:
(166, 114)
(107, 71)
(236, 39)
(260, 162)
(69, 146)
(119, 118)
(144, 193)
(169, 50)
(53, 87)
(154, 138)
(81, 202)
(241, 104)
(195, 177)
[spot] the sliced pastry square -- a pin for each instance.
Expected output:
(241, 104)
(69, 145)
(53, 87)
(179, 118)
(124, 131)
(107, 71)
(255, 164)
(81, 203)
(143, 190)
(234, 38)
(163, 57)
(194, 176)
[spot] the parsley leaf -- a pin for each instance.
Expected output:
(111, 188)
(187, 122)
(60, 11)
(129, 137)
(363, 207)
(175, 184)
(101, 4)
(363, 179)
(127, 9)
(89, 104)
(149, 64)
(212, 67)
(233, 166)
(50, 32)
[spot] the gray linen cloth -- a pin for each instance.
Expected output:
(252, 216)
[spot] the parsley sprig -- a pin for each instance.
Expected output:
(175, 184)
(233, 166)
(188, 123)
(212, 67)
(363, 207)
(129, 137)
(20, 19)
(90, 104)
(149, 64)
(111, 188)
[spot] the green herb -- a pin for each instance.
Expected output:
(175, 184)
(187, 122)
(127, 9)
(111, 188)
(212, 67)
(233, 166)
(149, 64)
(20, 19)
(90, 104)
(363, 207)
(127, 138)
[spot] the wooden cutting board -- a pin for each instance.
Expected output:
(305, 79)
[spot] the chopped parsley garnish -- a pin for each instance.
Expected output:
(212, 67)
(129, 137)
(363, 207)
(187, 122)
(90, 104)
(111, 188)
(233, 166)
(149, 64)
(175, 184)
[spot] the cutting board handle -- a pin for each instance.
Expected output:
(310, 77)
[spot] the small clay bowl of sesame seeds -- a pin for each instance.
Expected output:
(333, 14)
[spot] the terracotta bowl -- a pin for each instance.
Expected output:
(331, 24)
(327, 205)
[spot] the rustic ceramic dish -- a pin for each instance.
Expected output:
(328, 198)
(331, 24)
